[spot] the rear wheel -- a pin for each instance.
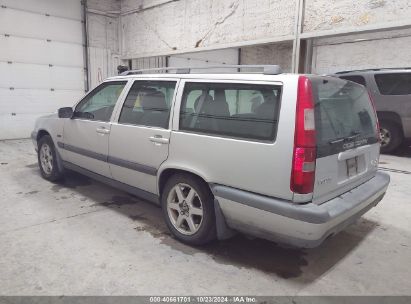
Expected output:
(47, 159)
(391, 136)
(188, 209)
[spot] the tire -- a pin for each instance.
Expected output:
(47, 159)
(189, 215)
(391, 136)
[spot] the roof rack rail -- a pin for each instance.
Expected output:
(376, 69)
(266, 69)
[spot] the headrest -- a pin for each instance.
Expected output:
(269, 96)
(153, 100)
(208, 99)
(255, 103)
(220, 96)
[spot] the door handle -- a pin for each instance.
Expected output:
(102, 130)
(158, 139)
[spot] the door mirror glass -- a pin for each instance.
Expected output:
(66, 112)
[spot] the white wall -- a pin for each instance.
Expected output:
(279, 54)
(206, 59)
(372, 50)
(189, 25)
(378, 50)
(164, 27)
(104, 41)
(339, 14)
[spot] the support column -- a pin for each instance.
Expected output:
(299, 19)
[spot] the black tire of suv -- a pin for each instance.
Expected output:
(395, 136)
(55, 174)
(207, 231)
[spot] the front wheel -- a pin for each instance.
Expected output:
(47, 159)
(188, 209)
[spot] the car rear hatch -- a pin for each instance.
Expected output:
(347, 144)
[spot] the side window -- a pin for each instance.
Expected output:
(394, 83)
(356, 79)
(148, 103)
(248, 111)
(99, 104)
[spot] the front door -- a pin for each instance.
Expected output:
(86, 135)
(139, 140)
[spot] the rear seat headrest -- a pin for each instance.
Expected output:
(207, 99)
(153, 100)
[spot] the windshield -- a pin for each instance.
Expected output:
(344, 116)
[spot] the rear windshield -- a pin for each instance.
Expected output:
(344, 116)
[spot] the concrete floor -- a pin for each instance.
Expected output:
(85, 238)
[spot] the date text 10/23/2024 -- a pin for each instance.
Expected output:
(203, 299)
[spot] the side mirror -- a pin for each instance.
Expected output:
(66, 112)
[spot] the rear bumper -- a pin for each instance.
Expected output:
(305, 225)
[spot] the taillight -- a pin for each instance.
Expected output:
(377, 124)
(305, 153)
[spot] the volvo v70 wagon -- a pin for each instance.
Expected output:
(285, 157)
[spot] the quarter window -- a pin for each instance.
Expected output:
(248, 111)
(148, 103)
(99, 104)
(394, 83)
(355, 78)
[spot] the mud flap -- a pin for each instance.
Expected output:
(60, 165)
(223, 231)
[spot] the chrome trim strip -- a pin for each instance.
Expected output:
(132, 166)
(83, 152)
(110, 159)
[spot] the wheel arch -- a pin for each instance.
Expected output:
(165, 173)
(391, 117)
(223, 231)
(41, 133)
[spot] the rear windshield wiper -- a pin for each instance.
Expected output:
(347, 138)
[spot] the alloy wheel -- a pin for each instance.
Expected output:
(185, 209)
(46, 159)
(385, 136)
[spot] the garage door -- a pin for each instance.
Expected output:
(41, 61)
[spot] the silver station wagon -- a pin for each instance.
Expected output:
(285, 157)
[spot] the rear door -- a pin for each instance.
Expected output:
(139, 139)
(347, 142)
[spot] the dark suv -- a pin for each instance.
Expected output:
(391, 91)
